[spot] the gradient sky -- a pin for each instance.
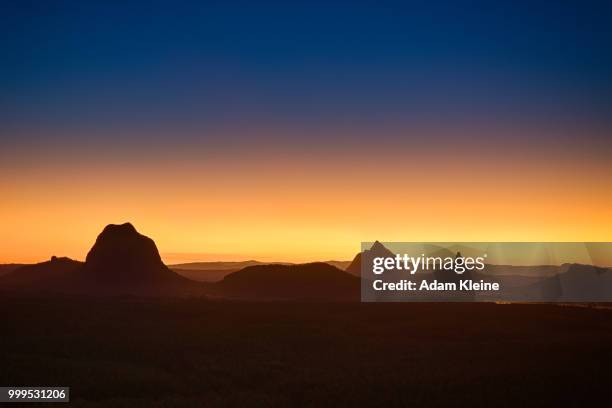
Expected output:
(295, 131)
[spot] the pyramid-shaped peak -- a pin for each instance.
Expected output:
(379, 250)
(377, 246)
(376, 250)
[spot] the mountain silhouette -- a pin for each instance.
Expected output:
(124, 262)
(121, 262)
(310, 281)
(581, 283)
(42, 275)
(377, 250)
(216, 271)
(122, 255)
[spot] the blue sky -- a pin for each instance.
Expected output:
(101, 62)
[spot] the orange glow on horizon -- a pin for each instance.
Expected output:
(294, 206)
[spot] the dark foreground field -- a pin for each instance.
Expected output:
(197, 353)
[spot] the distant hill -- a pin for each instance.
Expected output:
(553, 283)
(204, 275)
(221, 265)
(216, 271)
(305, 281)
(47, 274)
(581, 283)
(213, 271)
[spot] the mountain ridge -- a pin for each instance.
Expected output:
(124, 262)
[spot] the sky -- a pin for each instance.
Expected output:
(293, 132)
